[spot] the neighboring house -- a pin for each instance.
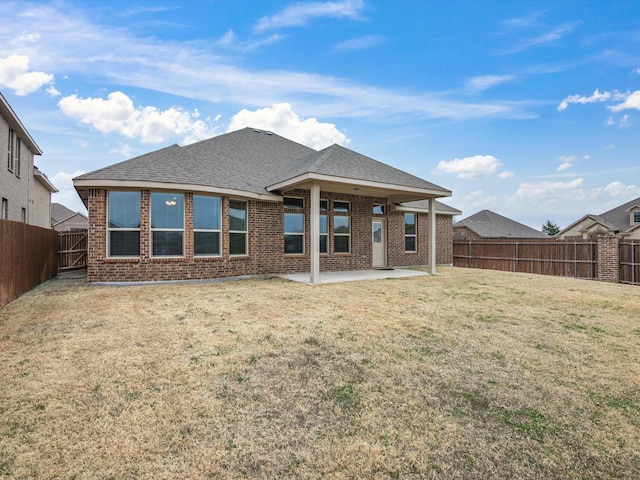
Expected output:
(623, 221)
(252, 202)
(488, 224)
(25, 192)
(65, 220)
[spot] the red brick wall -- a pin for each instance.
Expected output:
(608, 259)
(266, 242)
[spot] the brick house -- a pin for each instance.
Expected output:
(622, 221)
(25, 191)
(251, 202)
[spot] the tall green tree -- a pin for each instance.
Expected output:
(550, 228)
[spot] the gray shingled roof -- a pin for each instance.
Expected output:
(619, 216)
(491, 225)
(59, 212)
(337, 161)
(251, 160)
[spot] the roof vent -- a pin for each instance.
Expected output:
(262, 131)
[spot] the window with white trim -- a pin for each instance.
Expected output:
(636, 217)
(293, 226)
(17, 156)
(123, 224)
(4, 213)
(23, 215)
(378, 209)
(238, 237)
(410, 243)
(341, 207)
(11, 150)
(207, 225)
(167, 224)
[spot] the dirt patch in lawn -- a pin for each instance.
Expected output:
(466, 374)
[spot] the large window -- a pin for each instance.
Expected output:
(123, 224)
(636, 217)
(293, 225)
(207, 215)
(237, 227)
(167, 224)
(410, 232)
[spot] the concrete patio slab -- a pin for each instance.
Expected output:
(355, 275)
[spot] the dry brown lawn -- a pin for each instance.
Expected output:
(466, 374)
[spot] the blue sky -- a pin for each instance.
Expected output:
(526, 108)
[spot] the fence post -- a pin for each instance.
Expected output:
(516, 255)
(470, 254)
(633, 263)
(608, 259)
(575, 259)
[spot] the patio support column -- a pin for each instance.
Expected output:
(431, 233)
(314, 231)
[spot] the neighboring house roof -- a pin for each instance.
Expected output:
(615, 220)
(255, 163)
(14, 122)
(63, 218)
(492, 225)
(44, 180)
(59, 212)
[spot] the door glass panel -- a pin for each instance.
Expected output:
(377, 232)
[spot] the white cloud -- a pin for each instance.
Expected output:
(550, 37)
(67, 194)
(124, 150)
(596, 97)
(281, 119)
(15, 75)
(546, 190)
(202, 71)
(470, 167)
(362, 43)
(564, 166)
(632, 100)
(567, 158)
(81, 143)
(53, 91)
(619, 190)
(299, 14)
(485, 82)
(506, 174)
(117, 114)
(477, 199)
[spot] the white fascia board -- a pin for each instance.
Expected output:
(15, 123)
(356, 182)
(135, 184)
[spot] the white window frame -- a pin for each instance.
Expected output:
(245, 231)
(348, 235)
(341, 212)
(411, 235)
(207, 230)
(10, 150)
(110, 229)
(154, 230)
(4, 212)
(636, 216)
(16, 157)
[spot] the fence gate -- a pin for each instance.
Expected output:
(72, 250)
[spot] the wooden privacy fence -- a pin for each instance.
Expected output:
(578, 259)
(72, 250)
(28, 257)
(630, 262)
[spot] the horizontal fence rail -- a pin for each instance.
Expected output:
(578, 259)
(630, 262)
